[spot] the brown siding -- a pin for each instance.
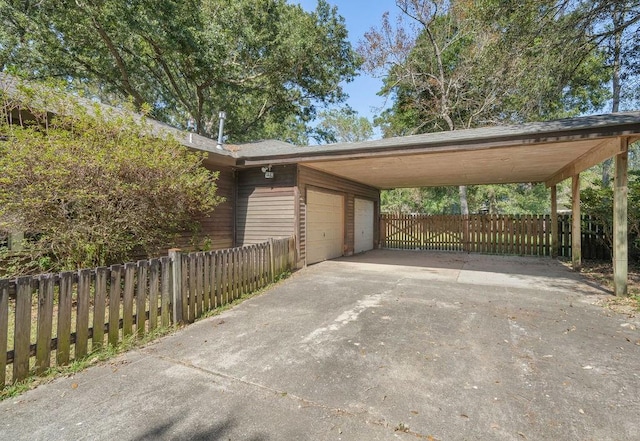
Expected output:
(311, 178)
(265, 208)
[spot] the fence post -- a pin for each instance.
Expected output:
(176, 284)
(22, 328)
(272, 261)
(554, 222)
(465, 233)
(292, 253)
(4, 328)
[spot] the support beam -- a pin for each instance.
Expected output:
(596, 155)
(554, 221)
(576, 230)
(620, 236)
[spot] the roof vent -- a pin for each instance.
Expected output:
(221, 116)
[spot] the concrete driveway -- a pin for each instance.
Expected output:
(381, 346)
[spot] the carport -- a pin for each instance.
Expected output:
(547, 152)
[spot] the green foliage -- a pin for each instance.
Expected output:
(93, 185)
(597, 201)
(472, 64)
(267, 63)
(495, 199)
(343, 125)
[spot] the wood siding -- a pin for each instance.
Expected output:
(315, 179)
(265, 208)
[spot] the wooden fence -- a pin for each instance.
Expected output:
(52, 319)
(527, 235)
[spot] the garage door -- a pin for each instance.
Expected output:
(363, 225)
(325, 226)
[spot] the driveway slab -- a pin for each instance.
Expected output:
(380, 346)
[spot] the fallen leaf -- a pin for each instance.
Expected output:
(74, 385)
(464, 415)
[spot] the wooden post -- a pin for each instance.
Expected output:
(22, 339)
(65, 302)
(576, 231)
(141, 297)
(176, 282)
(272, 262)
(166, 287)
(620, 239)
(45, 322)
(99, 307)
(127, 299)
(82, 314)
(554, 221)
(114, 305)
(4, 328)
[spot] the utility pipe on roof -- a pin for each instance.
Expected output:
(221, 116)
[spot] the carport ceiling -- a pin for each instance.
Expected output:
(541, 152)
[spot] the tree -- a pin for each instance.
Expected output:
(462, 64)
(343, 125)
(267, 63)
(92, 186)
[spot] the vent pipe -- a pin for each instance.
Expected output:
(221, 116)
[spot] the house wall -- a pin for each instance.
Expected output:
(265, 208)
(315, 179)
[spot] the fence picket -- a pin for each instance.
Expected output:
(141, 297)
(65, 299)
(206, 281)
(237, 276)
(127, 299)
(154, 285)
(45, 322)
(165, 291)
(22, 333)
(99, 307)
(197, 265)
(114, 304)
(82, 313)
(186, 299)
(4, 329)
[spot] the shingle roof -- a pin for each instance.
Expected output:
(587, 126)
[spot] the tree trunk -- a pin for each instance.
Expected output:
(618, 19)
(464, 206)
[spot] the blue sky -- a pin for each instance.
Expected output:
(360, 16)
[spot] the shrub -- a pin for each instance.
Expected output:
(598, 202)
(93, 184)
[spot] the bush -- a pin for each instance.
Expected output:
(94, 186)
(598, 202)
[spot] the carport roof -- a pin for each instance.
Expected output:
(546, 152)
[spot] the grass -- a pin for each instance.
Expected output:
(107, 351)
(102, 354)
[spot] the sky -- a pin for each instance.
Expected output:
(360, 16)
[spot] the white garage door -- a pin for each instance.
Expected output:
(363, 225)
(325, 226)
